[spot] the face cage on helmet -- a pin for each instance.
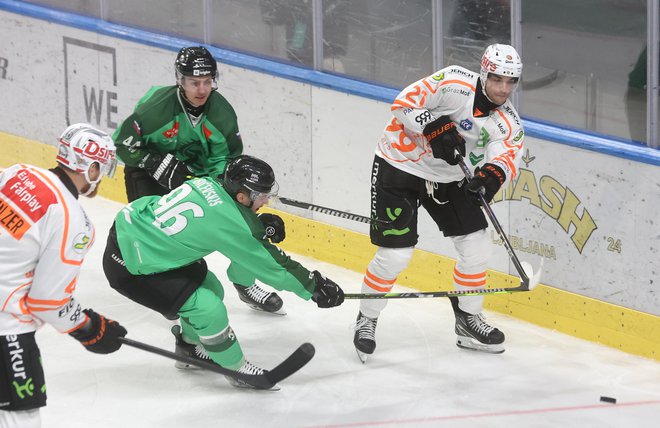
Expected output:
(111, 167)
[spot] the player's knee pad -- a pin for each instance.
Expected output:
(384, 268)
(473, 250)
(21, 418)
(390, 262)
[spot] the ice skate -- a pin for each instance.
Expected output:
(261, 300)
(184, 348)
(473, 332)
(365, 336)
(251, 369)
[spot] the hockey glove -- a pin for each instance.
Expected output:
(327, 293)
(167, 170)
(444, 139)
(274, 226)
(99, 334)
(486, 180)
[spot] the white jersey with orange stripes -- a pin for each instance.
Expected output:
(496, 137)
(44, 236)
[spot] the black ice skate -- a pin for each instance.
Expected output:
(473, 332)
(182, 347)
(251, 369)
(261, 300)
(365, 336)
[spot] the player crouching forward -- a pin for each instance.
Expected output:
(155, 250)
(44, 237)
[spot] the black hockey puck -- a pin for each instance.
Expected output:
(608, 399)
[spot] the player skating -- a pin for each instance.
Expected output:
(155, 251)
(453, 110)
(44, 238)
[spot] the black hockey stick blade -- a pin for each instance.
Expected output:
(292, 364)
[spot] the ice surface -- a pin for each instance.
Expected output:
(416, 378)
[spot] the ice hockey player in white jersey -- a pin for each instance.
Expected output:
(453, 110)
(44, 236)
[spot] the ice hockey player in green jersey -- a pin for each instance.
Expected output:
(155, 249)
(184, 130)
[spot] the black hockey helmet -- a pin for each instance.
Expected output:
(251, 176)
(195, 61)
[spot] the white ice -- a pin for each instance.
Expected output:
(416, 378)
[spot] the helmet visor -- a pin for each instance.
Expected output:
(263, 197)
(112, 167)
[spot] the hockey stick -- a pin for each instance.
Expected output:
(331, 211)
(286, 368)
(426, 294)
(528, 280)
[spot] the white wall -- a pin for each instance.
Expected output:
(321, 144)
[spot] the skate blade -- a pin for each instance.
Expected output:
(362, 356)
(280, 311)
(474, 345)
(241, 385)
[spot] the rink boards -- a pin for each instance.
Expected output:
(590, 215)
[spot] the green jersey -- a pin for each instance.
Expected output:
(160, 124)
(157, 234)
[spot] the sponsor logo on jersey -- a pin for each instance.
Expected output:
(460, 71)
(25, 200)
(173, 132)
(12, 221)
(81, 243)
(519, 136)
(438, 77)
(475, 159)
(466, 124)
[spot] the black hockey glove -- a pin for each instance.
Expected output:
(99, 335)
(274, 226)
(489, 178)
(444, 139)
(327, 293)
(167, 170)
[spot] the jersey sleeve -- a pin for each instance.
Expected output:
(129, 142)
(67, 238)
(267, 262)
(239, 235)
(505, 147)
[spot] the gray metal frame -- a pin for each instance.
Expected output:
(652, 72)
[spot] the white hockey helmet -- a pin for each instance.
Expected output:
(502, 60)
(82, 145)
